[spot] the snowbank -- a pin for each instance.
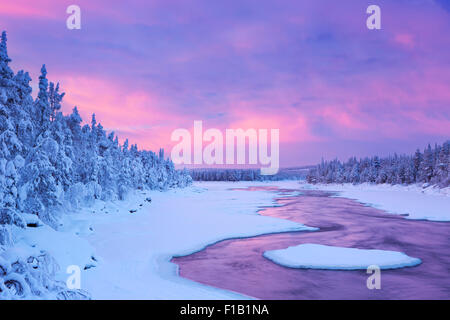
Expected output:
(412, 201)
(316, 256)
(124, 248)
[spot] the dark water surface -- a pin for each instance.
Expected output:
(238, 265)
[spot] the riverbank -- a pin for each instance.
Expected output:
(412, 201)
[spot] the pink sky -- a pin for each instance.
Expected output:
(309, 68)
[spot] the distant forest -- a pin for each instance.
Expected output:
(213, 174)
(430, 166)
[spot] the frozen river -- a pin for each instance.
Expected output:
(239, 265)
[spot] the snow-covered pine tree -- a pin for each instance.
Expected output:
(55, 99)
(42, 109)
(427, 165)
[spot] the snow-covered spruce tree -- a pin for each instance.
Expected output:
(108, 171)
(442, 174)
(55, 99)
(427, 165)
(50, 162)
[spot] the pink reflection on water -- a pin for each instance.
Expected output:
(238, 265)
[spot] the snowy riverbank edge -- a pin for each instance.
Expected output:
(124, 248)
(413, 201)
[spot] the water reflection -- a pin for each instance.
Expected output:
(238, 264)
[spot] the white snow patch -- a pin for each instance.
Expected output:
(316, 256)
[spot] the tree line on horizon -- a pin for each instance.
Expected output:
(428, 167)
(232, 175)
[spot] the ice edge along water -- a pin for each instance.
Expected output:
(413, 202)
(317, 256)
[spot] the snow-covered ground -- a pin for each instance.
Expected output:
(316, 256)
(126, 255)
(412, 201)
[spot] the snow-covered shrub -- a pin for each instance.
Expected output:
(123, 191)
(16, 285)
(19, 162)
(93, 191)
(75, 195)
(9, 216)
(109, 195)
(33, 277)
(5, 235)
